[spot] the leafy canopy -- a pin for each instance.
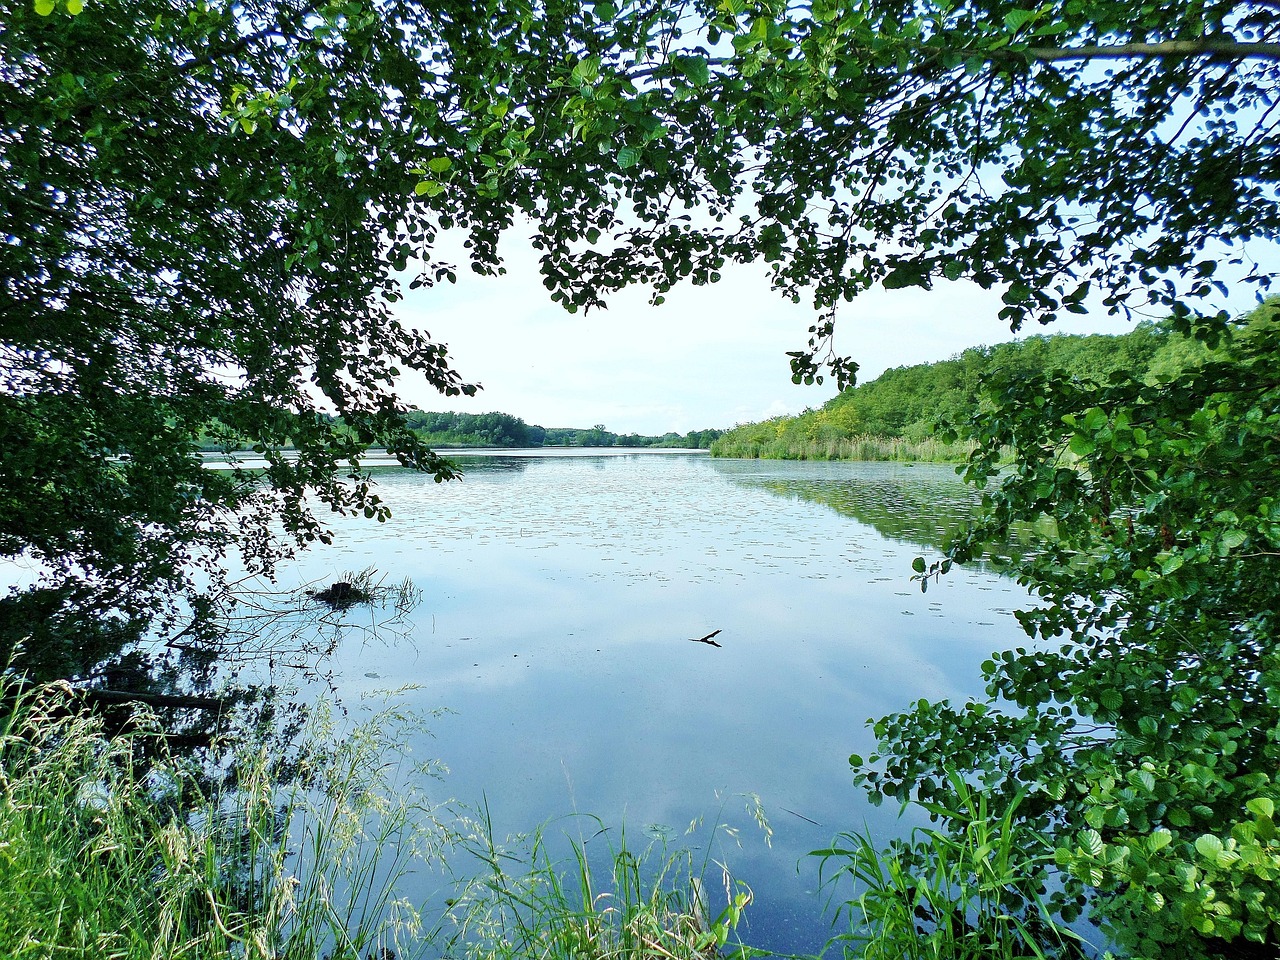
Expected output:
(208, 207)
(1144, 715)
(207, 210)
(1119, 149)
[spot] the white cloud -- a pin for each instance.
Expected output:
(709, 357)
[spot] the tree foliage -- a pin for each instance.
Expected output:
(1144, 715)
(208, 208)
(912, 402)
(504, 430)
(1048, 152)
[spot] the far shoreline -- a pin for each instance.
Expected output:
(217, 459)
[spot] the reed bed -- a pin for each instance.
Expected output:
(111, 848)
(616, 904)
(866, 448)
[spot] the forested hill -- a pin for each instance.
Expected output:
(504, 430)
(895, 416)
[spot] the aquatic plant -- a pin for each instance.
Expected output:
(621, 904)
(109, 848)
(963, 893)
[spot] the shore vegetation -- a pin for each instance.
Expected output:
(915, 412)
(112, 848)
(211, 211)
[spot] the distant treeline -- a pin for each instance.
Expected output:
(504, 430)
(896, 416)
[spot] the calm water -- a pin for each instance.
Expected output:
(560, 597)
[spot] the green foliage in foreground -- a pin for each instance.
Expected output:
(651, 906)
(896, 416)
(1142, 721)
(107, 853)
(965, 899)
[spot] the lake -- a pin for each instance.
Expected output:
(563, 595)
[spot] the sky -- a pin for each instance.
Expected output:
(712, 356)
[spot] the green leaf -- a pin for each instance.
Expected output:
(1261, 806)
(905, 275)
(44, 7)
(1018, 292)
(587, 71)
(1232, 539)
(628, 157)
(953, 270)
(1015, 19)
(918, 565)
(1082, 445)
(75, 7)
(439, 164)
(695, 69)
(1048, 29)
(1208, 846)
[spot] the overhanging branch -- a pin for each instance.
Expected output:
(1218, 48)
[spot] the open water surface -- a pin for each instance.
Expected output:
(562, 595)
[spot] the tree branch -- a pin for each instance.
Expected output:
(1220, 48)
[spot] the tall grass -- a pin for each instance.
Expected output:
(650, 905)
(960, 894)
(111, 849)
(104, 854)
(845, 448)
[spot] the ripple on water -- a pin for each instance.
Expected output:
(570, 587)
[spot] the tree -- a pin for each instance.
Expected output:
(1047, 151)
(177, 257)
(1142, 717)
(207, 211)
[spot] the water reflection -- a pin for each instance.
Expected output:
(561, 596)
(921, 504)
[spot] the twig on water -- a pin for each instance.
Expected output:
(707, 639)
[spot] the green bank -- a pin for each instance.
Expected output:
(915, 413)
